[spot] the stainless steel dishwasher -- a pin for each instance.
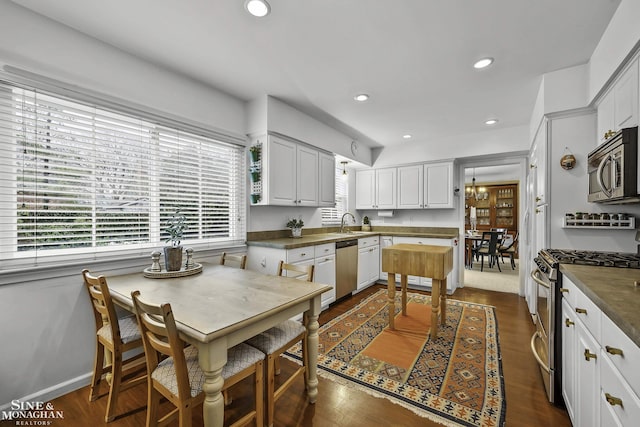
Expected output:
(346, 267)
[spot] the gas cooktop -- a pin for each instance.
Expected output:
(604, 259)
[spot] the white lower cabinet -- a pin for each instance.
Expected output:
(425, 282)
(368, 261)
(600, 376)
(325, 270)
(265, 260)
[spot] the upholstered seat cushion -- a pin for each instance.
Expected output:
(239, 358)
(273, 339)
(128, 330)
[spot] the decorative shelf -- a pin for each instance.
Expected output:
(604, 224)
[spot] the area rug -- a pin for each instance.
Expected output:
(455, 380)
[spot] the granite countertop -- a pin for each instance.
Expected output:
(310, 238)
(613, 291)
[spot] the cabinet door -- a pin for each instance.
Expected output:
(569, 359)
(365, 189)
(327, 187)
(625, 109)
(374, 263)
(364, 263)
(410, 182)
(606, 118)
(386, 188)
(282, 171)
(438, 186)
(587, 378)
(325, 273)
(307, 176)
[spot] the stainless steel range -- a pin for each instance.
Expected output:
(545, 342)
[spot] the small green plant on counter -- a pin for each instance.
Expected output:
(295, 223)
(365, 220)
(176, 226)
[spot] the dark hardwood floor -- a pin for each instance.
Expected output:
(338, 405)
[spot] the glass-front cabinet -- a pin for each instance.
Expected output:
(495, 206)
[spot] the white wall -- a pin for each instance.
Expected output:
(618, 40)
(37, 44)
(46, 323)
(569, 190)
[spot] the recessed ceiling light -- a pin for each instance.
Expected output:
(483, 63)
(490, 122)
(361, 97)
(407, 136)
(257, 8)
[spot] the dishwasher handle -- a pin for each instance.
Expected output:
(346, 243)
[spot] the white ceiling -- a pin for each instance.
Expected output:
(414, 57)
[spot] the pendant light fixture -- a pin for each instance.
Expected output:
(474, 192)
(344, 170)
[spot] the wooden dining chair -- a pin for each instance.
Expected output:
(178, 377)
(489, 248)
(114, 337)
(509, 249)
(239, 261)
(275, 341)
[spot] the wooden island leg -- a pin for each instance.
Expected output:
(443, 302)
(403, 284)
(391, 294)
(435, 307)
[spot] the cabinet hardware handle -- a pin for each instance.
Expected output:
(613, 350)
(538, 198)
(531, 166)
(568, 322)
(303, 254)
(581, 310)
(588, 355)
(613, 401)
(564, 290)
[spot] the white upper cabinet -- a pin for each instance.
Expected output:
(327, 185)
(618, 108)
(296, 174)
(386, 188)
(307, 176)
(376, 188)
(438, 185)
(428, 186)
(410, 183)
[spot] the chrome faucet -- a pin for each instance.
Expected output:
(342, 221)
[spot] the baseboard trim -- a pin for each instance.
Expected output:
(57, 390)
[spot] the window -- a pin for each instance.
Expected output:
(78, 179)
(332, 216)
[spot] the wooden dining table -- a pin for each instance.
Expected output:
(470, 242)
(222, 307)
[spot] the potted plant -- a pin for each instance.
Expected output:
(175, 227)
(296, 226)
(255, 198)
(366, 226)
(254, 151)
(254, 174)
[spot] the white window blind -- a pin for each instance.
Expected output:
(77, 179)
(332, 216)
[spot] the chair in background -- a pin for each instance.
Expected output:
(239, 261)
(489, 248)
(509, 249)
(178, 377)
(114, 337)
(279, 339)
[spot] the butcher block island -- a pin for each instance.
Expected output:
(430, 261)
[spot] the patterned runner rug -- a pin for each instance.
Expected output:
(455, 380)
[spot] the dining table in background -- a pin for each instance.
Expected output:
(470, 242)
(222, 307)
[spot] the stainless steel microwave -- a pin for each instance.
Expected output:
(613, 169)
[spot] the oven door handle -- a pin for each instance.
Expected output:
(534, 276)
(601, 166)
(535, 336)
